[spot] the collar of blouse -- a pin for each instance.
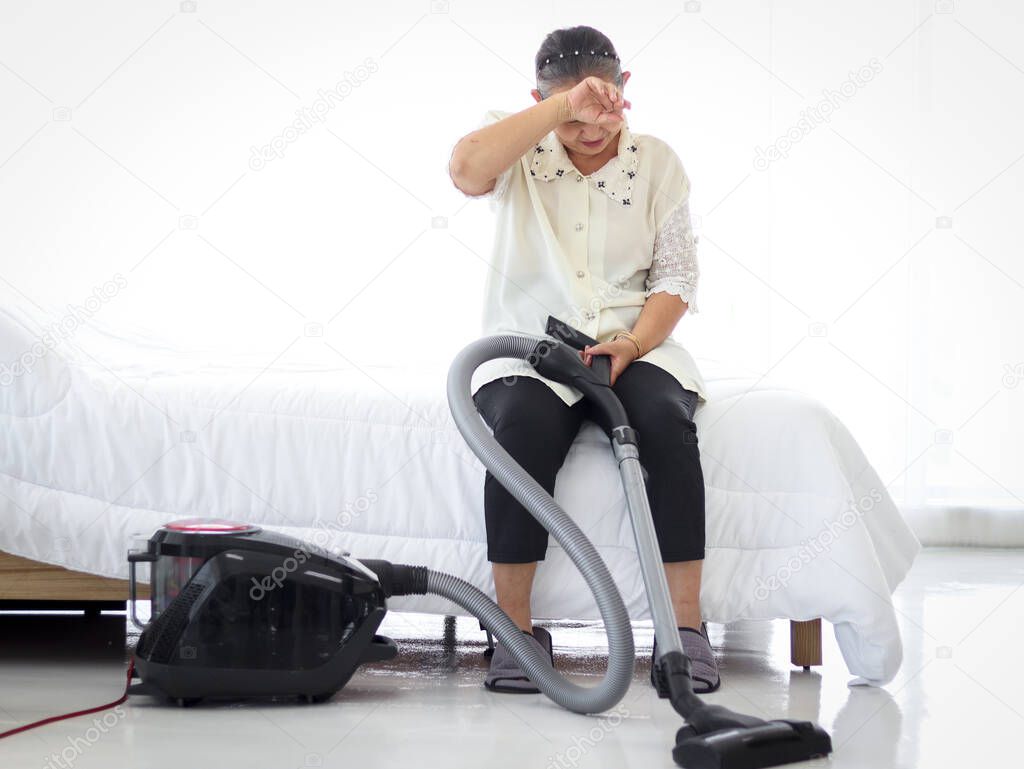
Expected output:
(550, 162)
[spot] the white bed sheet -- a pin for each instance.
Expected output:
(370, 461)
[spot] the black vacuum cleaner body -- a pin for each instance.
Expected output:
(241, 612)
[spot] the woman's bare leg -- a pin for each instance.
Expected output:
(513, 583)
(684, 586)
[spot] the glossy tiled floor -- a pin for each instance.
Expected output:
(958, 700)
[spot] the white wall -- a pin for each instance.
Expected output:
(877, 265)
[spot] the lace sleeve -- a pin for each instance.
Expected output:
(674, 268)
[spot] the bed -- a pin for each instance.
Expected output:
(100, 448)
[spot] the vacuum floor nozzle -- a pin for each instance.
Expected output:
(769, 744)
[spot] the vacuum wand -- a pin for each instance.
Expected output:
(714, 737)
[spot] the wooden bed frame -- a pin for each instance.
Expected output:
(32, 582)
(22, 579)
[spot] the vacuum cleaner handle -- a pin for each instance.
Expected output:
(602, 364)
(560, 363)
(554, 361)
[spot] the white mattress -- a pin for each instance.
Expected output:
(371, 462)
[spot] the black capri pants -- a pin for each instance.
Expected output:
(537, 428)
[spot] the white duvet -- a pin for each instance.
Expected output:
(799, 525)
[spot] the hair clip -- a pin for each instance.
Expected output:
(577, 53)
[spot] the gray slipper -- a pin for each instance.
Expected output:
(505, 675)
(703, 666)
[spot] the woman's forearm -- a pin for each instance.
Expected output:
(658, 317)
(481, 156)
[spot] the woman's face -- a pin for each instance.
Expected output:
(585, 138)
(581, 138)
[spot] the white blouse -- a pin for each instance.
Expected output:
(589, 249)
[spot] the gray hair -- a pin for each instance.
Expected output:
(567, 56)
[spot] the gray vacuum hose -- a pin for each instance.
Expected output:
(621, 653)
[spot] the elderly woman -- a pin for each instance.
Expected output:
(593, 228)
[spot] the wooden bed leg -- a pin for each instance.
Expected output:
(805, 643)
(448, 639)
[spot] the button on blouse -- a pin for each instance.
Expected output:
(589, 249)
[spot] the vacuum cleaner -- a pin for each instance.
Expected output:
(238, 611)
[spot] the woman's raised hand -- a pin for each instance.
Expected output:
(596, 101)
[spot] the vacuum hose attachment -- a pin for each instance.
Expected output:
(718, 738)
(397, 578)
(533, 496)
(766, 744)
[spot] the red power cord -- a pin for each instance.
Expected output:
(51, 719)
